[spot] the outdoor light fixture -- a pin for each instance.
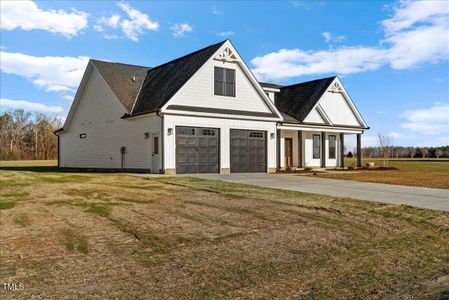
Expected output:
(170, 131)
(272, 135)
(146, 135)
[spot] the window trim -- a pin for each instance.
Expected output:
(314, 146)
(329, 146)
(224, 82)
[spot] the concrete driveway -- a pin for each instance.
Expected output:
(437, 199)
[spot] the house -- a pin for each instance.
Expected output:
(204, 113)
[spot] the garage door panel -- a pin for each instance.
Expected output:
(197, 150)
(248, 151)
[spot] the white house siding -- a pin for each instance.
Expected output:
(338, 110)
(171, 121)
(199, 91)
(309, 161)
(99, 116)
(314, 117)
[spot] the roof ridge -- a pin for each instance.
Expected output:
(310, 81)
(118, 63)
(187, 55)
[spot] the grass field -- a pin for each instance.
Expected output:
(84, 235)
(410, 172)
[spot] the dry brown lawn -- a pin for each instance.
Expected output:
(85, 235)
(433, 174)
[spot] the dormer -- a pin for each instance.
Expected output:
(270, 89)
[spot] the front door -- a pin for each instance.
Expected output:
(288, 156)
(155, 153)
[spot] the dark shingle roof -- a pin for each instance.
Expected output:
(270, 85)
(120, 77)
(162, 82)
(296, 101)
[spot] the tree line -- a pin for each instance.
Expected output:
(25, 135)
(407, 152)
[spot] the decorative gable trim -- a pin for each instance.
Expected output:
(336, 88)
(227, 55)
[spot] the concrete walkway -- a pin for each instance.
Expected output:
(437, 199)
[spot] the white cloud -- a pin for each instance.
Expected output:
(68, 97)
(52, 73)
(133, 24)
(428, 121)
(215, 11)
(225, 33)
(98, 28)
(395, 135)
(27, 15)
(416, 33)
(29, 106)
(331, 38)
(179, 30)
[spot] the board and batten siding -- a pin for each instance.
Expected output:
(309, 161)
(338, 109)
(225, 125)
(98, 115)
(199, 91)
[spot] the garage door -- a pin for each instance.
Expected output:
(197, 150)
(248, 151)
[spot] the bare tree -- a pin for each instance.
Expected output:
(385, 148)
(424, 152)
(438, 152)
(27, 136)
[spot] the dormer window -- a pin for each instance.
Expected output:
(224, 82)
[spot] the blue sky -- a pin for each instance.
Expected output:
(393, 57)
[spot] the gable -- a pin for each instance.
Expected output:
(338, 109)
(198, 91)
(95, 103)
(333, 106)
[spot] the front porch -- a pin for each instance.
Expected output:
(313, 147)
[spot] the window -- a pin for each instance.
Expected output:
(156, 145)
(207, 132)
(224, 82)
(83, 136)
(332, 146)
(256, 135)
(186, 131)
(316, 146)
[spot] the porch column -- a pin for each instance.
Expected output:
(323, 149)
(300, 163)
(359, 150)
(278, 149)
(342, 150)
